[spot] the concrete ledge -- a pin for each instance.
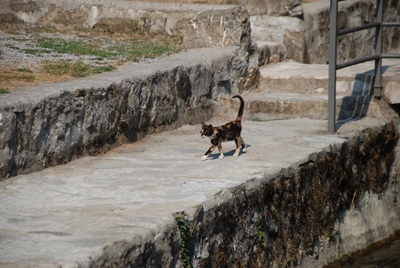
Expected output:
(55, 123)
(298, 197)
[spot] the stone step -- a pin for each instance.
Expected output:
(291, 76)
(270, 52)
(291, 90)
(266, 105)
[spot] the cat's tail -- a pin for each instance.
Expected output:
(240, 113)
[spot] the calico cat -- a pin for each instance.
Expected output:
(228, 132)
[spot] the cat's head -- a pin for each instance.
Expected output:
(206, 130)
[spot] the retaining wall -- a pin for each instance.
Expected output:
(334, 203)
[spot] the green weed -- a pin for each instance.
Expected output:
(4, 90)
(25, 70)
(187, 232)
(262, 237)
(77, 48)
(75, 69)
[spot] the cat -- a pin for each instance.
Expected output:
(228, 132)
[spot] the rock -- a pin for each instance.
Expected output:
(274, 7)
(391, 93)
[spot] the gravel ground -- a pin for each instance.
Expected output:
(22, 50)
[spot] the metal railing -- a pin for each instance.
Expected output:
(333, 66)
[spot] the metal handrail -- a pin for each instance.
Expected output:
(333, 66)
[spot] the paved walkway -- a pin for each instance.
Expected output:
(67, 214)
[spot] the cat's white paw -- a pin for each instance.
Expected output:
(221, 157)
(235, 155)
(244, 150)
(204, 157)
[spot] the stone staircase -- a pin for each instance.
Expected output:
(295, 90)
(290, 89)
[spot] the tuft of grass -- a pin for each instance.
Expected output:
(24, 70)
(74, 47)
(75, 69)
(4, 90)
(134, 50)
(144, 49)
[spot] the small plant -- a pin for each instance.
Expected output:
(4, 90)
(262, 237)
(187, 233)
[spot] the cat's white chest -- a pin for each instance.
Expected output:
(212, 136)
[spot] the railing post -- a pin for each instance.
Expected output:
(332, 66)
(378, 50)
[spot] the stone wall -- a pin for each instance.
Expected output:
(331, 204)
(352, 13)
(306, 37)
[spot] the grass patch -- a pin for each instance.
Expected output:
(131, 50)
(75, 69)
(24, 70)
(60, 54)
(4, 90)
(16, 75)
(144, 49)
(77, 48)
(37, 52)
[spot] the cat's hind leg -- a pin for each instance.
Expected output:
(238, 142)
(243, 145)
(221, 153)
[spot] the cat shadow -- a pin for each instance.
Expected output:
(230, 153)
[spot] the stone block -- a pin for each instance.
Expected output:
(274, 7)
(391, 92)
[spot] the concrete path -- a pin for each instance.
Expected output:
(66, 215)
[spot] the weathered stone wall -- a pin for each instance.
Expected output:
(197, 25)
(306, 37)
(352, 13)
(333, 203)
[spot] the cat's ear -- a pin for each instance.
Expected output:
(210, 126)
(203, 123)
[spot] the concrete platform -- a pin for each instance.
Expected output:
(66, 215)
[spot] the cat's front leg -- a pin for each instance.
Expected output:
(205, 156)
